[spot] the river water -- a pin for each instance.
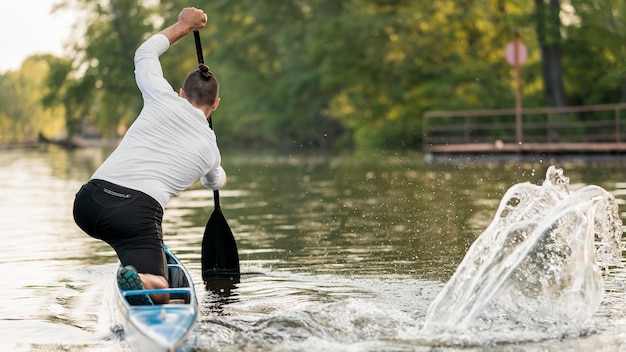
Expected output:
(338, 252)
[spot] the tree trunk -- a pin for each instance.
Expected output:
(549, 37)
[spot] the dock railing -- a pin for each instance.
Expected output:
(571, 128)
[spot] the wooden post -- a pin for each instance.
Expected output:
(618, 132)
(518, 90)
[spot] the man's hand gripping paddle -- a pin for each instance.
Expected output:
(220, 259)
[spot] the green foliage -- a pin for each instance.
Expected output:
(595, 63)
(328, 72)
(98, 87)
(336, 74)
(22, 116)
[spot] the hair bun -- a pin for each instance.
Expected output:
(205, 71)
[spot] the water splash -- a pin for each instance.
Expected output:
(536, 267)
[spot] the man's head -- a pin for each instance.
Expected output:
(201, 88)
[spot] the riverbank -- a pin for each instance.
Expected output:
(77, 142)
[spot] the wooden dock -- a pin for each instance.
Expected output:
(595, 129)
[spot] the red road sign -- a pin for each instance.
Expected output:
(515, 53)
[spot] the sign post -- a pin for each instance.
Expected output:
(516, 54)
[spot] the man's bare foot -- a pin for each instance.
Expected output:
(150, 282)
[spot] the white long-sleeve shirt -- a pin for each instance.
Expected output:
(170, 145)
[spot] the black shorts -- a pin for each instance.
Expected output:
(127, 219)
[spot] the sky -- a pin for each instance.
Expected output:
(27, 27)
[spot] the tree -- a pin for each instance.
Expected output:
(22, 115)
(272, 77)
(97, 84)
(549, 36)
(596, 62)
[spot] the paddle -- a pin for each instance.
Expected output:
(220, 259)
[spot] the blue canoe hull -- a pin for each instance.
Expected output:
(161, 327)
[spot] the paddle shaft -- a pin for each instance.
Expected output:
(196, 37)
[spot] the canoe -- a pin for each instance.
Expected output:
(160, 327)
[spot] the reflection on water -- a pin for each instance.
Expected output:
(337, 252)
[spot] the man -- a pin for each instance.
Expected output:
(167, 148)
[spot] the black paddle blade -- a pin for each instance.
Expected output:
(220, 259)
